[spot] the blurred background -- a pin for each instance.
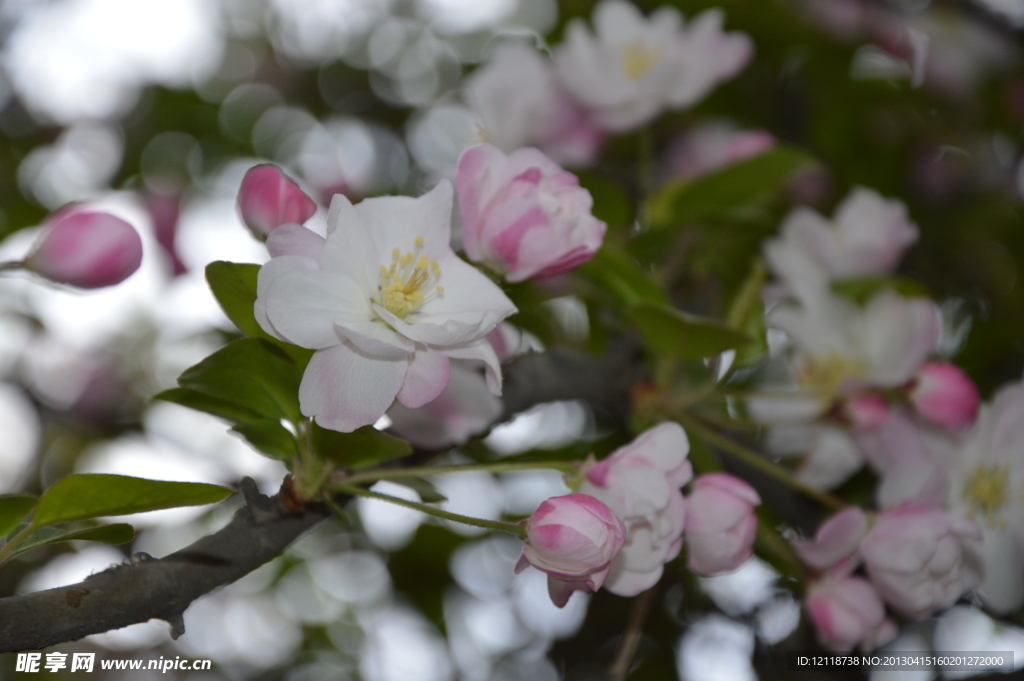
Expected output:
(154, 111)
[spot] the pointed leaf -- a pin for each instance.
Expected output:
(13, 509)
(269, 437)
(80, 497)
(119, 533)
(234, 286)
(363, 447)
(674, 333)
(734, 187)
(250, 373)
(621, 277)
(211, 405)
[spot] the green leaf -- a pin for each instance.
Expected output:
(363, 447)
(81, 497)
(734, 187)
(13, 509)
(211, 405)
(611, 203)
(269, 437)
(428, 493)
(621, 277)
(674, 333)
(863, 289)
(250, 373)
(234, 286)
(119, 533)
(746, 312)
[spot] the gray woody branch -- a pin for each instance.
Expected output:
(262, 529)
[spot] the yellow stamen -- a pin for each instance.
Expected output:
(402, 287)
(986, 491)
(826, 375)
(638, 58)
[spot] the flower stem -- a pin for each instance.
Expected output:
(8, 549)
(509, 467)
(11, 265)
(754, 459)
(504, 526)
(631, 637)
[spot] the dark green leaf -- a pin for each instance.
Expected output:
(746, 312)
(680, 335)
(364, 447)
(80, 497)
(428, 493)
(863, 289)
(269, 437)
(621, 277)
(211, 405)
(234, 286)
(734, 187)
(611, 203)
(13, 509)
(119, 533)
(252, 374)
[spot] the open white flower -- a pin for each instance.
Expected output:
(867, 236)
(635, 66)
(987, 485)
(385, 302)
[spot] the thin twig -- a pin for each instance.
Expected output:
(631, 637)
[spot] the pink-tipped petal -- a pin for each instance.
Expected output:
(86, 249)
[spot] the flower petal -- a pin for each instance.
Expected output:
(374, 337)
(470, 307)
(293, 239)
(302, 306)
(396, 221)
(427, 376)
(344, 389)
(481, 351)
(268, 274)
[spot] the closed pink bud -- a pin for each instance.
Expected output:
(945, 395)
(836, 541)
(921, 559)
(867, 412)
(267, 199)
(720, 523)
(86, 249)
(847, 612)
(573, 539)
(523, 215)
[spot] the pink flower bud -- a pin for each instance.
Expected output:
(847, 612)
(573, 539)
(86, 249)
(945, 395)
(267, 199)
(921, 559)
(836, 540)
(867, 412)
(720, 523)
(522, 214)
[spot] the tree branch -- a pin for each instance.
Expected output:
(148, 588)
(262, 529)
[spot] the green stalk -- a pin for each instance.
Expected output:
(509, 467)
(754, 459)
(8, 549)
(514, 528)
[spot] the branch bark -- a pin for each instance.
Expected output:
(262, 529)
(148, 588)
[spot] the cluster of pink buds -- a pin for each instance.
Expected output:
(630, 519)
(917, 559)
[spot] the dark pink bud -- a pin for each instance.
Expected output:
(86, 249)
(945, 395)
(267, 199)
